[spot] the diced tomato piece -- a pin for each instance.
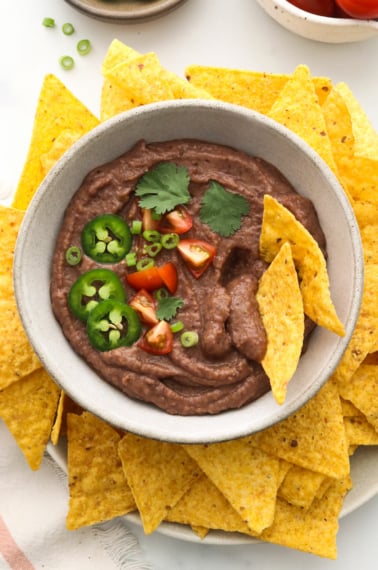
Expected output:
(154, 278)
(148, 221)
(197, 254)
(145, 305)
(168, 273)
(178, 221)
(148, 279)
(158, 339)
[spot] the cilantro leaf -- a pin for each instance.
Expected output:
(168, 307)
(164, 187)
(223, 210)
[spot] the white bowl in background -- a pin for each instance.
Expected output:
(319, 28)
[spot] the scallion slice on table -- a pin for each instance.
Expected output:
(48, 22)
(68, 29)
(67, 62)
(83, 47)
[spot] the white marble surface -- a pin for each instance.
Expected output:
(215, 32)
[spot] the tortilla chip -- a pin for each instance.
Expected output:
(245, 475)
(205, 506)
(252, 89)
(278, 226)
(17, 358)
(369, 238)
(297, 108)
(362, 390)
(365, 334)
(158, 473)
(66, 406)
(281, 308)
(365, 136)
(313, 530)
(51, 119)
(28, 408)
(113, 100)
(313, 437)
(97, 485)
(359, 431)
(300, 486)
(62, 143)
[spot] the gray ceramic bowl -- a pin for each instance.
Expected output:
(319, 28)
(124, 10)
(211, 121)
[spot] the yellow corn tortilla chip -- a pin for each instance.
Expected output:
(365, 334)
(312, 530)
(369, 238)
(281, 308)
(278, 226)
(252, 89)
(359, 431)
(113, 100)
(313, 437)
(247, 477)
(362, 390)
(158, 473)
(97, 486)
(28, 408)
(51, 118)
(17, 358)
(297, 108)
(203, 505)
(366, 138)
(300, 486)
(62, 143)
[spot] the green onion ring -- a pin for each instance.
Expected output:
(73, 255)
(83, 47)
(152, 235)
(131, 259)
(161, 293)
(68, 29)
(177, 326)
(189, 339)
(66, 62)
(136, 227)
(48, 22)
(170, 241)
(145, 263)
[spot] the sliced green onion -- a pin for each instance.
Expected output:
(189, 338)
(131, 259)
(177, 326)
(136, 227)
(73, 255)
(48, 22)
(151, 235)
(83, 47)
(161, 293)
(145, 263)
(68, 29)
(153, 249)
(67, 62)
(170, 241)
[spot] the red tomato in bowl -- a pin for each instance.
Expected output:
(362, 9)
(318, 7)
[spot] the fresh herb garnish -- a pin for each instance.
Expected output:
(163, 188)
(223, 210)
(168, 307)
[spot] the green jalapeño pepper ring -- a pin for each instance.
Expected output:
(112, 324)
(92, 287)
(106, 239)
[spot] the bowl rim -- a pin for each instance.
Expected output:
(124, 12)
(301, 14)
(150, 110)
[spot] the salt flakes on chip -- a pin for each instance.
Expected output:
(246, 476)
(281, 308)
(97, 486)
(158, 473)
(17, 358)
(313, 437)
(297, 108)
(51, 119)
(280, 225)
(34, 398)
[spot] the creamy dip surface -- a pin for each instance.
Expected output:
(222, 371)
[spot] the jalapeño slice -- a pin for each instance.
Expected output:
(92, 287)
(112, 324)
(106, 239)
